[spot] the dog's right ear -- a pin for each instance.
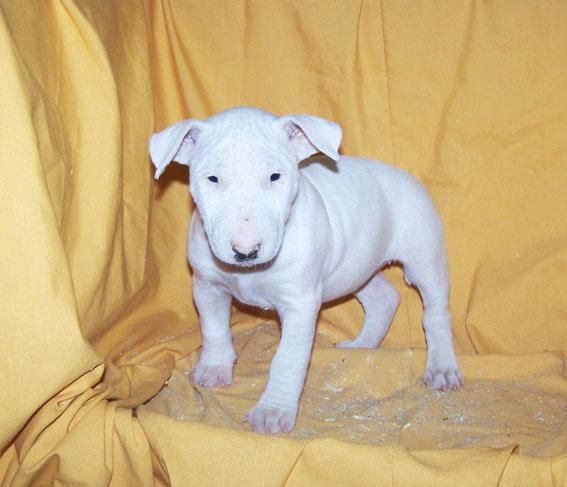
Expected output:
(175, 143)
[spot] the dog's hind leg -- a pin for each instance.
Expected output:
(380, 301)
(430, 275)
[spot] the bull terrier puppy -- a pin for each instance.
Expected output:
(277, 235)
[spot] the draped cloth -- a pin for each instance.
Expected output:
(98, 329)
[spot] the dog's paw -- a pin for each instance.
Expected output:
(270, 419)
(211, 375)
(443, 379)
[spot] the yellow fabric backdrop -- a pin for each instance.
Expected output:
(95, 295)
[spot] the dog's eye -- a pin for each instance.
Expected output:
(213, 179)
(275, 176)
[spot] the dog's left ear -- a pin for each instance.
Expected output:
(309, 134)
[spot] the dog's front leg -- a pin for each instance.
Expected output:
(276, 410)
(217, 353)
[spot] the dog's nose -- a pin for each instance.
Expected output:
(245, 255)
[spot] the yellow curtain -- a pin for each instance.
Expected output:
(98, 330)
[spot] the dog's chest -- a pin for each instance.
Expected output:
(251, 289)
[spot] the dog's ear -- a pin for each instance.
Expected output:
(175, 143)
(309, 134)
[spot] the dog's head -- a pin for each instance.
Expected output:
(244, 174)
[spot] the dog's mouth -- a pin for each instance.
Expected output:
(244, 266)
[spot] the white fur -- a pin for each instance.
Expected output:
(317, 233)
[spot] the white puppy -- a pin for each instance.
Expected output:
(277, 236)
